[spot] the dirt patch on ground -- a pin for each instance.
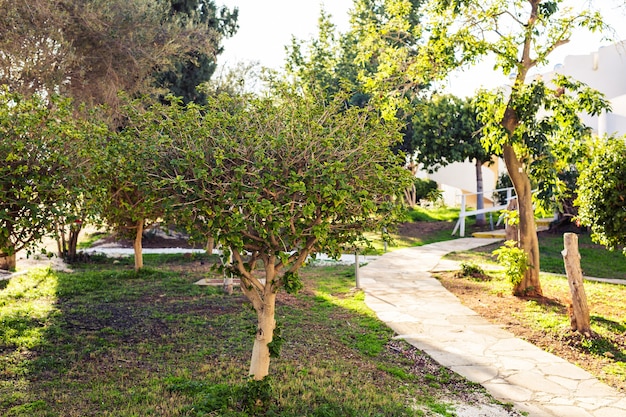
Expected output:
(596, 355)
(151, 239)
(423, 230)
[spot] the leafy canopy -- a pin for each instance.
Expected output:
(90, 50)
(43, 154)
(602, 192)
(280, 177)
(445, 129)
(549, 136)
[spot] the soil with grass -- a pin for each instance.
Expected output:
(598, 354)
(508, 311)
(118, 343)
(544, 322)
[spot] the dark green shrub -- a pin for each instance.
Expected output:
(504, 181)
(425, 189)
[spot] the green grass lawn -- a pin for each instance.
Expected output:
(106, 341)
(441, 221)
(438, 214)
(596, 261)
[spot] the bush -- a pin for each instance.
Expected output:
(602, 193)
(472, 270)
(504, 181)
(426, 189)
(514, 260)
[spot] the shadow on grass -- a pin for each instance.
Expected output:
(109, 341)
(612, 325)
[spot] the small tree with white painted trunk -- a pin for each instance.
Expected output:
(276, 180)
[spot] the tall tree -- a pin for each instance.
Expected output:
(394, 63)
(445, 129)
(31, 56)
(276, 180)
(43, 159)
(530, 122)
(91, 50)
(196, 67)
(126, 198)
(314, 63)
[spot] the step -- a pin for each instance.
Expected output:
(544, 223)
(490, 234)
(501, 234)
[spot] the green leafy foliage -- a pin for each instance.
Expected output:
(292, 282)
(394, 64)
(514, 260)
(196, 67)
(272, 176)
(504, 181)
(276, 344)
(471, 269)
(44, 157)
(426, 189)
(602, 193)
(549, 136)
(125, 158)
(445, 129)
(325, 63)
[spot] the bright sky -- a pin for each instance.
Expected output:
(267, 26)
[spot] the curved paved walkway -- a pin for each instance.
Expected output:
(402, 292)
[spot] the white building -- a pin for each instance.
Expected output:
(604, 70)
(460, 178)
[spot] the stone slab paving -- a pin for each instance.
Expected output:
(401, 290)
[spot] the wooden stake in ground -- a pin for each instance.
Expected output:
(579, 312)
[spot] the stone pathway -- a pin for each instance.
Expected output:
(400, 289)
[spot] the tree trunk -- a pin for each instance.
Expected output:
(137, 246)
(67, 245)
(480, 203)
(410, 196)
(8, 260)
(530, 286)
(210, 245)
(60, 237)
(511, 231)
(260, 361)
(579, 310)
(72, 242)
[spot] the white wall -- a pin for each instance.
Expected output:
(459, 177)
(605, 71)
(602, 70)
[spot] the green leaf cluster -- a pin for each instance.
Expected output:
(602, 192)
(273, 179)
(445, 129)
(124, 193)
(514, 260)
(549, 136)
(44, 163)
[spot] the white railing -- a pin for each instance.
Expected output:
(460, 224)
